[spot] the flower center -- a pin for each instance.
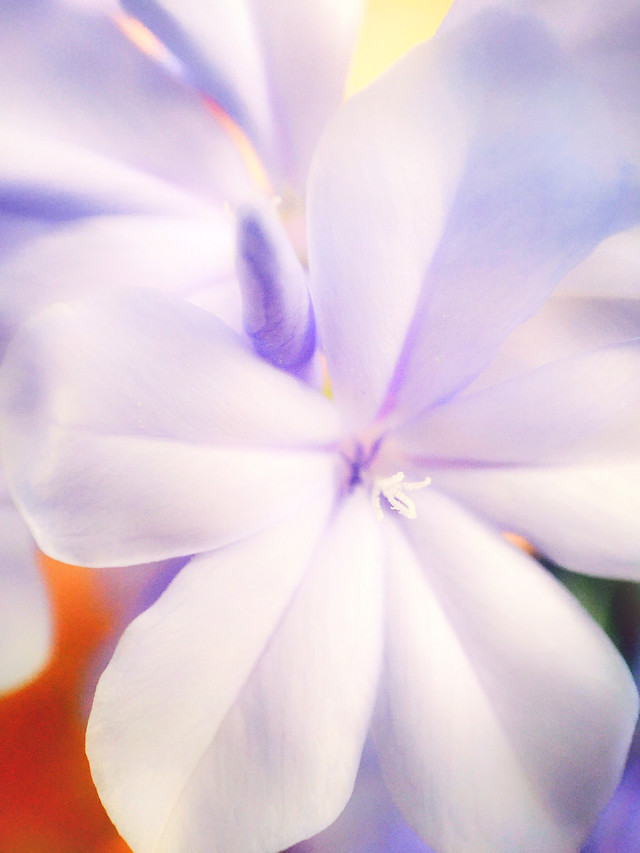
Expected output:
(390, 489)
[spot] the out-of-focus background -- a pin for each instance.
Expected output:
(47, 800)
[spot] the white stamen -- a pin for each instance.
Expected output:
(393, 492)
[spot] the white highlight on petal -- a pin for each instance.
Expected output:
(390, 488)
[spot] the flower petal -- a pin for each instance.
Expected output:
(506, 712)
(277, 68)
(586, 407)
(584, 517)
(445, 204)
(100, 253)
(595, 305)
(139, 428)
(72, 78)
(233, 713)
(25, 622)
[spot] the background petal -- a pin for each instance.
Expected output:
(45, 179)
(506, 712)
(277, 68)
(445, 204)
(242, 706)
(71, 77)
(139, 428)
(604, 40)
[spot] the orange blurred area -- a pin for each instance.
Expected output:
(47, 800)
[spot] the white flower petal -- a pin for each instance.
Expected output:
(611, 271)
(370, 823)
(506, 712)
(233, 713)
(139, 428)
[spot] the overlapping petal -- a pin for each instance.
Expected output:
(585, 407)
(512, 186)
(505, 711)
(277, 68)
(141, 401)
(584, 517)
(233, 713)
(25, 622)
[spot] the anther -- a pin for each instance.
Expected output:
(393, 490)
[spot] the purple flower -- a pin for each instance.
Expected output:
(445, 204)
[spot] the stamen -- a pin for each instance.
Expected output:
(390, 489)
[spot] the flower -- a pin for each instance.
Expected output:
(444, 206)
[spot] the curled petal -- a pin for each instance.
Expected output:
(234, 711)
(276, 308)
(505, 712)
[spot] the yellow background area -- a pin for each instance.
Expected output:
(391, 27)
